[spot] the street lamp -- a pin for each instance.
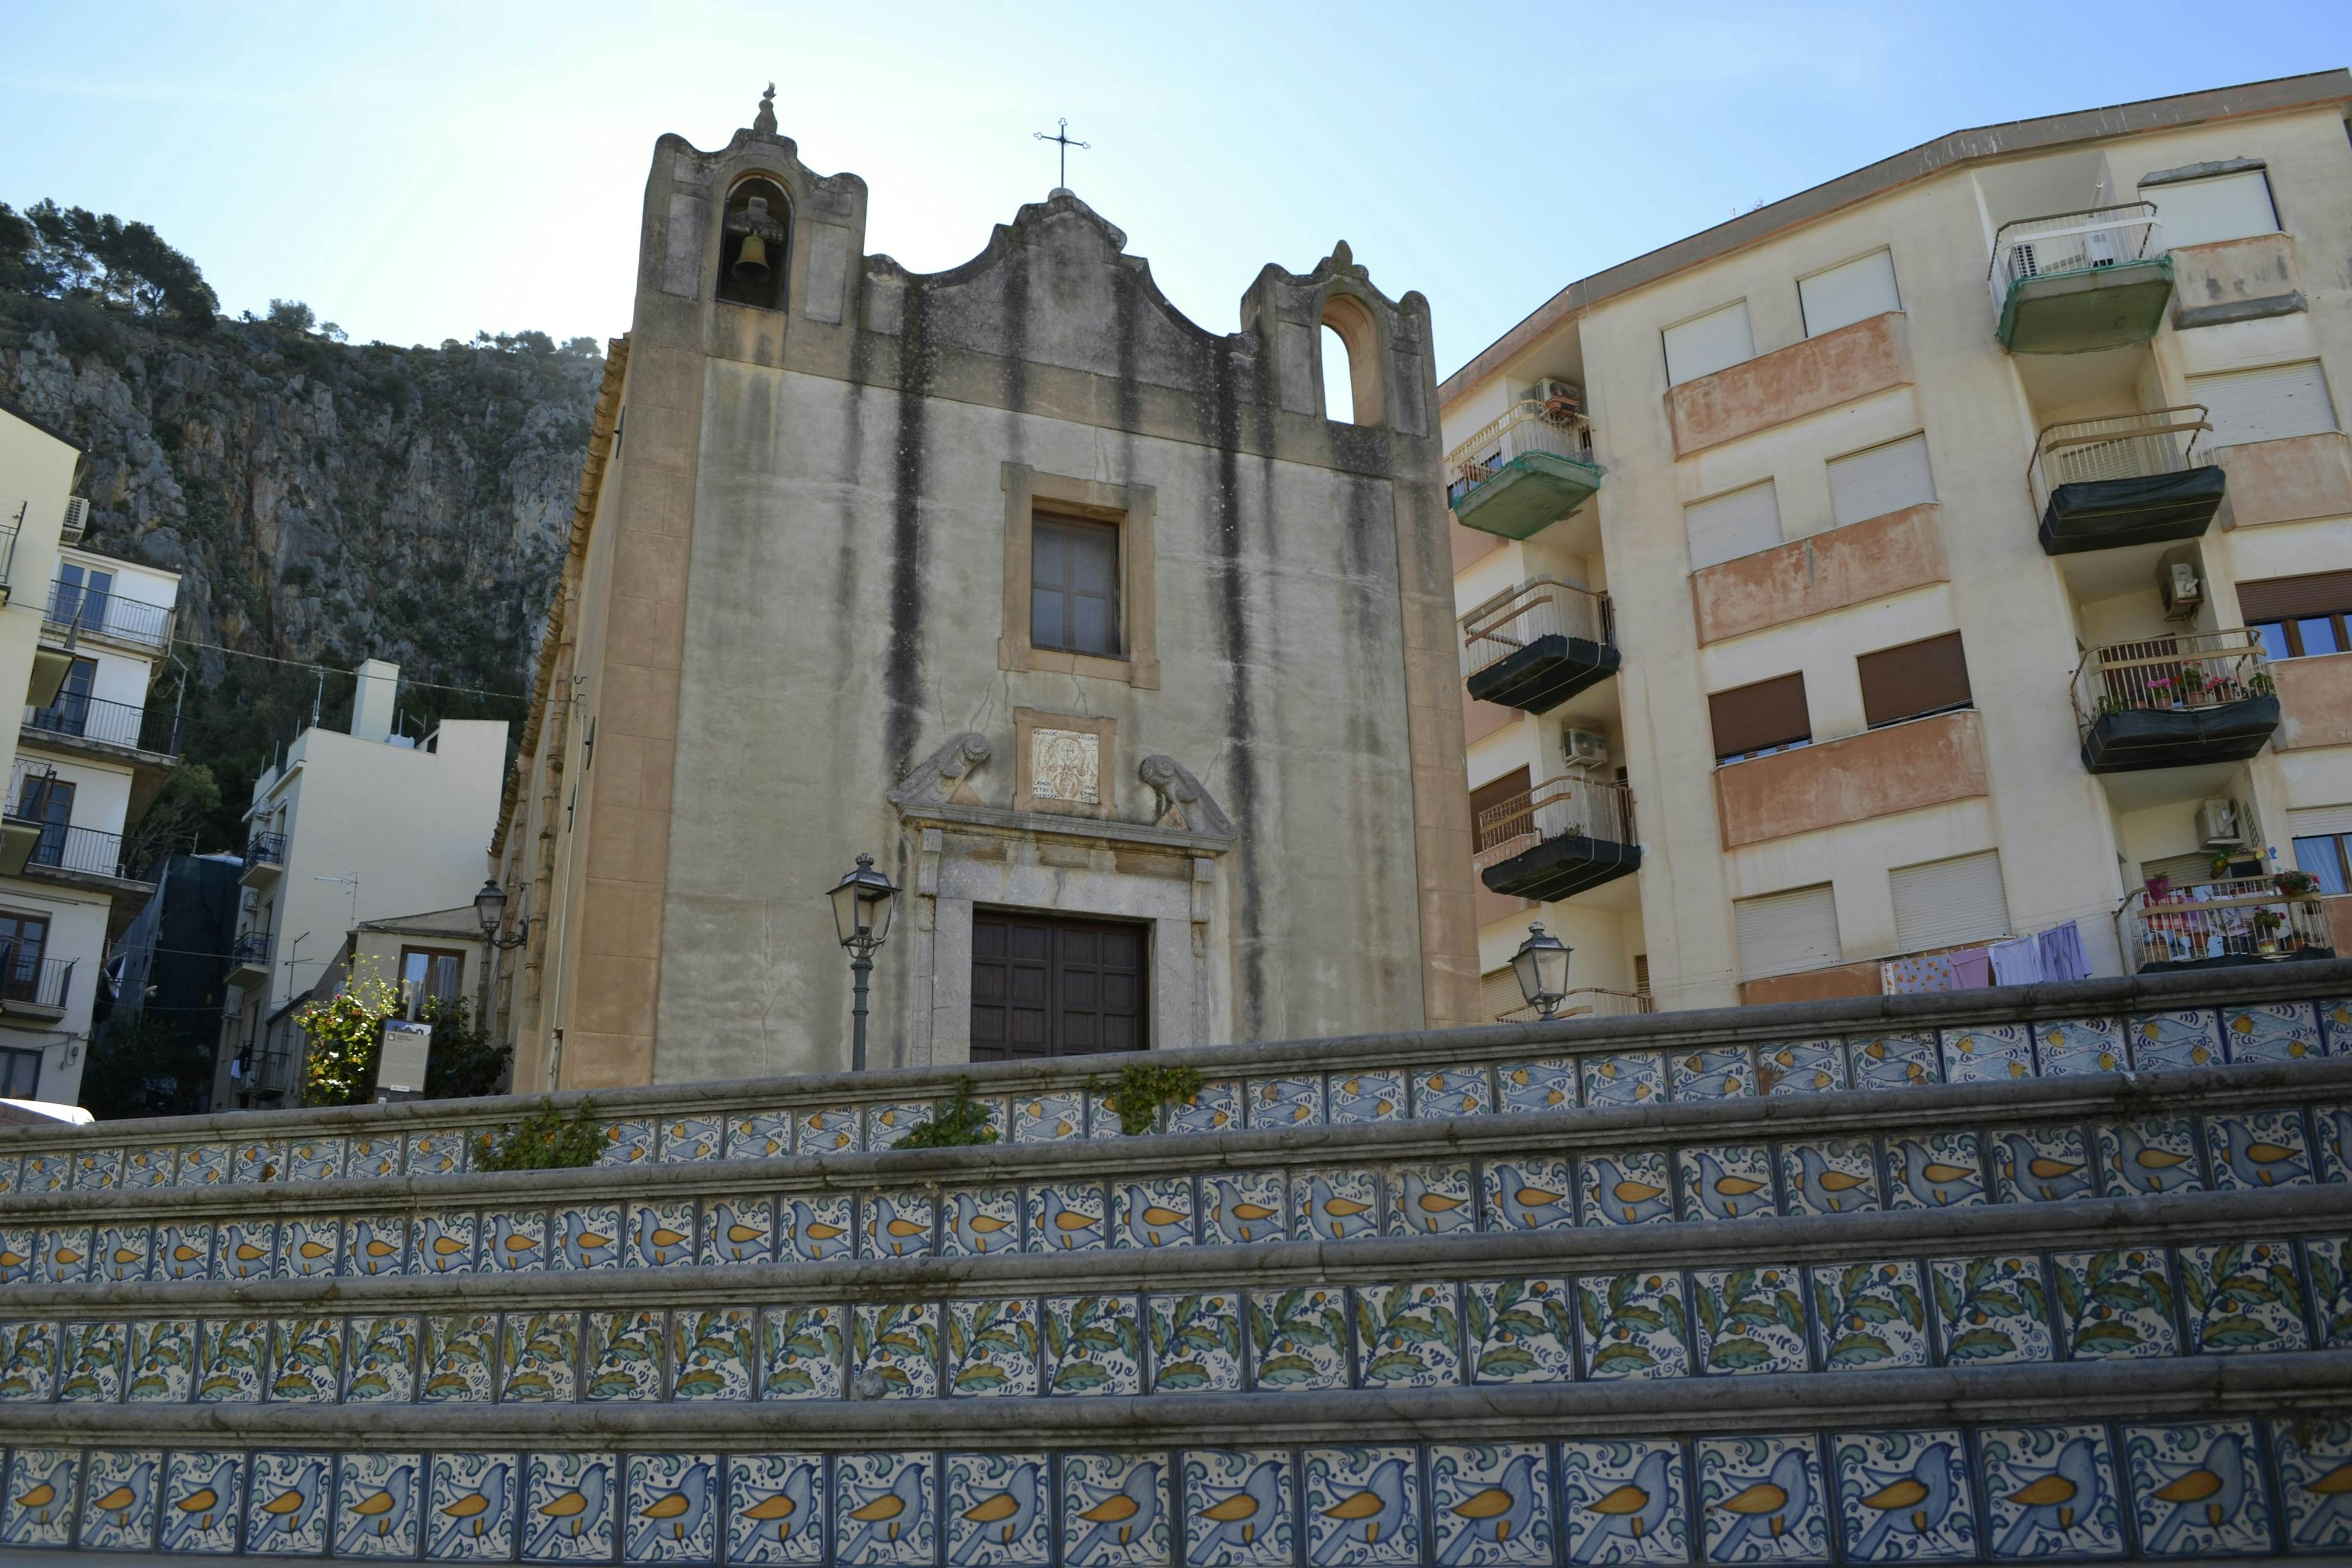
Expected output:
(862, 904)
(490, 909)
(1542, 966)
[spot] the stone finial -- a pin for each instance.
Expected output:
(1184, 800)
(942, 779)
(764, 122)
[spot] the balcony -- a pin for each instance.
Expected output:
(1535, 645)
(84, 858)
(1588, 1002)
(2074, 282)
(265, 857)
(2215, 925)
(1523, 472)
(2138, 479)
(35, 987)
(2176, 701)
(249, 958)
(108, 618)
(1565, 837)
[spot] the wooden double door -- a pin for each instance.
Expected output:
(1043, 986)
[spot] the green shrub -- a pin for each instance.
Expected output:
(960, 1124)
(543, 1140)
(1142, 1088)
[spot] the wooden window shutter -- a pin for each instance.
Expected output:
(1753, 718)
(2284, 598)
(1918, 677)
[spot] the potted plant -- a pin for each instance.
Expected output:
(2162, 691)
(2267, 925)
(2295, 884)
(2159, 888)
(2220, 867)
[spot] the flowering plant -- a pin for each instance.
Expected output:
(346, 1031)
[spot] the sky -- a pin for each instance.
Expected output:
(417, 173)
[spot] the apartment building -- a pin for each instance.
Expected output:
(1956, 549)
(347, 828)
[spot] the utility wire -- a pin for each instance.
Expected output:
(332, 670)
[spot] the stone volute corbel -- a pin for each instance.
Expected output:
(944, 779)
(1184, 800)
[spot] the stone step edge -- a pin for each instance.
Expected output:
(2314, 1382)
(2079, 1224)
(1769, 1024)
(1817, 1114)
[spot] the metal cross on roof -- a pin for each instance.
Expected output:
(1063, 136)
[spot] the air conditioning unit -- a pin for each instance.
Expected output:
(2183, 590)
(77, 520)
(2222, 823)
(1558, 396)
(1584, 748)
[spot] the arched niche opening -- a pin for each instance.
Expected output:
(1352, 394)
(756, 245)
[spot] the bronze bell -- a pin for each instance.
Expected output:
(751, 260)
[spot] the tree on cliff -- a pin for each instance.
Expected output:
(72, 253)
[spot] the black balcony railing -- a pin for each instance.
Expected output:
(77, 717)
(265, 849)
(249, 951)
(35, 981)
(73, 607)
(64, 847)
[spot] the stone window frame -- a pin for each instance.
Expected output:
(1026, 722)
(1131, 507)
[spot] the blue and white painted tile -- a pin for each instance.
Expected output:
(992, 1348)
(1988, 1053)
(661, 1234)
(1519, 1330)
(163, 1360)
(1298, 1338)
(154, 1165)
(624, 1356)
(737, 1230)
(29, 1363)
(1452, 1091)
(2255, 1148)
(306, 1362)
(2272, 1032)
(97, 1170)
(202, 1492)
(372, 1154)
(382, 1356)
(262, 1160)
(19, 1251)
(2197, 1490)
(2049, 1491)
(119, 1500)
(1633, 1325)
(308, 1245)
(1726, 1180)
(1196, 1342)
(1905, 1497)
(2041, 1164)
(2242, 1296)
(1432, 1200)
(1285, 1101)
(1894, 1061)
(379, 1502)
(201, 1165)
(627, 1142)
(800, 1352)
(1935, 1170)
(539, 1357)
(184, 1251)
(314, 1159)
(119, 1254)
(471, 1512)
(567, 1508)
(2069, 1048)
(1547, 1083)
(1750, 1319)
(977, 1221)
(895, 1347)
(1154, 1212)
(2158, 1155)
(2116, 1304)
(1408, 1335)
(2188, 1037)
(1830, 1175)
(12, 1170)
(1242, 1206)
(1373, 1095)
(2333, 1125)
(1335, 1204)
(714, 1352)
(1625, 1500)
(882, 1510)
(587, 1235)
(672, 1509)
(1634, 1077)
(514, 1241)
(1364, 1507)
(690, 1138)
(456, 1368)
(1761, 1500)
(998, 1509)
(38, 1509)
(760, 1135)
(91, 1358)
(1093, 1344)
(2330, 1259)
(1869, 1316)
(1625, 1187)
(235, 1354)
(48, 1172)
(2314, 1460)
(441, 1242)
(1217, 1108)
(885, 1124)
(827, 1130)
(814, 1229)
(1491, 1503)
(775, 1509)
(65, 1254)
(1068, 1217)
(375, 1246)
(439, 1153)
(1115, 1510)
(1716, 1072)
(1992, 1310)
(287, 1504)
(1055, 1117)
(1238, 1508)
(896, 1226)
(1529, 1193)
(1102, 1117)
(1802, 1067)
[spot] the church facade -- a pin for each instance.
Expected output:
(1128, 664)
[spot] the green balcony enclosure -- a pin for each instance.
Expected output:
(2075, 282)
(2124, 479)
(1523, 471)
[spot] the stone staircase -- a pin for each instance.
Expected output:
(2051, 1273)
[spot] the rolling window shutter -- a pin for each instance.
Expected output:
(1881, 480)
(1718, 338)
(2184, 871)
(1948, 901)
(1844, 295)
(1916, 678)
(1782, 932)
(2314, 821)
(2199, 211)
(1768, 713)
(2266, 404)
(2284, 598)
(1727, 527)
(1498, 993)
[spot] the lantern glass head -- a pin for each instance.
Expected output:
(1540, 967)
(490, 908)
(862, 905)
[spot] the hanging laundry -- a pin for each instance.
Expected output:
(1971, 969)
(1911, 977)
(2016, 962)
(2061, 953)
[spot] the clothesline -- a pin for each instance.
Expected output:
(2055, 953)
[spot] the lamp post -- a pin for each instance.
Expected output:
(862, 905)
(1541, 968)
(490, 909)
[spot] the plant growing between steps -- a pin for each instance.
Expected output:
(543, 1140)
(1142, 1088)
(961, 1123)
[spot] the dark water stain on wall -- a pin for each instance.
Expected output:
(902, 671)
(1222, 422)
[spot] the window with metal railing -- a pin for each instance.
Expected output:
(2176, 671)
(1516, 619)
(2061, 243)
(1565, 807)
(1522, 428)
(2122, 446)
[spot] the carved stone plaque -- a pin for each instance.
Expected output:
(1065, 767)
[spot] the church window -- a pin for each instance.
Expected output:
(1339, 384)
(1078, 578)
(1074, 587)
(1350, 339)
(755, 245)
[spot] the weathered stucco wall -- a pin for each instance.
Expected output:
(1823, 572)
(1806, 377)
(2314, 701)
(1876, 773)
(2289, 480)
